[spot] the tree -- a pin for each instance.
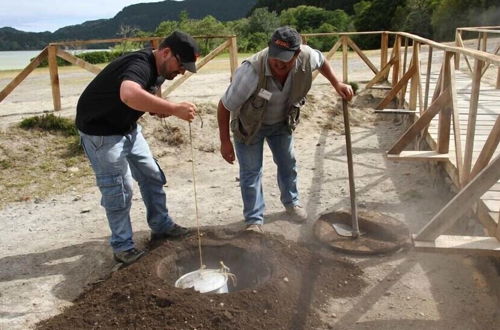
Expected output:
(374, 16)
(450, 14)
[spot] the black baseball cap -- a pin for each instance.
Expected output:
(285, 41)
(184, 46)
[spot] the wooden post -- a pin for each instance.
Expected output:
(428, 79)
(498, 79)
(471, 125)
(497, 234)
(384, 42)
(415, 81)
(397, 64)
(54, 77)
(405, 56)
(485, 41)
(455, 115)
(155, 43)
(233, 55)
(458, 37)
(444, 124)
(345, 64)
(402, 94)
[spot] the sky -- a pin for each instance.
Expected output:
(50, 15)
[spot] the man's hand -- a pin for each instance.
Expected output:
(345, 91)
(185, 111)
(227, 151)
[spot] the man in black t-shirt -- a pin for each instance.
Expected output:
(107, 114)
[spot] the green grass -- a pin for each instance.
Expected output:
(50, 123)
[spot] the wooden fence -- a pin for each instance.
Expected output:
(412, 97)
(56, 49)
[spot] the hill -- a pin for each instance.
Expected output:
(143, 16)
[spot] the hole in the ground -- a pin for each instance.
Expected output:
(251, 269)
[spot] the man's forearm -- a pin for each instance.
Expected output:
(223, 116)
(327, 71)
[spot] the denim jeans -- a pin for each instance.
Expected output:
(250, 157)
(116, 159)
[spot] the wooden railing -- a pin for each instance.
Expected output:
(482, 44)
(56, 49)
(413, 97)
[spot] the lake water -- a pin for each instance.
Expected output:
(13, 60)
(17, 60)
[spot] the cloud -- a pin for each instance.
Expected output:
(49, 15)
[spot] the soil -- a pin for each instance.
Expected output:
(55, 260)
(142, 296)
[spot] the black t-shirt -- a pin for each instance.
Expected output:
(100, 110)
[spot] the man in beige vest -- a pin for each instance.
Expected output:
(263, 103)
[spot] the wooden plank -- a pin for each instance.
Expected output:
(489, 148)
(415, 81)
(23, 74)
(384, 43)
(233, 55)
(381, 76)
(476, 245)
(419, 155)
(78, 61)
(199, 65)
(54, 77)
(422, 122)
(365, 59)
(456, 119)
(397, 61)
(462, 202)
(396, 111)
(497, 233)
(476, 88)
(390, 96)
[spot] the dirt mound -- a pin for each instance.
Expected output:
(279, 282)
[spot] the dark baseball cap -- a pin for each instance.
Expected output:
(184, 46)
(285, 41)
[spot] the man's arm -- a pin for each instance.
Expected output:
(132, 94)
(344, 90)
(226, 146)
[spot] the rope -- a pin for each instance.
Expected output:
(195, 195)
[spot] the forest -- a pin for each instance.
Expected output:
(433, 19)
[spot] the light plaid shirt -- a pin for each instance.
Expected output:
(246, 79)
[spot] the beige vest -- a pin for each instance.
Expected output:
(246, 122)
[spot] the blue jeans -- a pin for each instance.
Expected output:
(280, 142)
(116, 159)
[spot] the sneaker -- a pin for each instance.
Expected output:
(255, 227)
(175, 232)
(296, 213)
(129, 256)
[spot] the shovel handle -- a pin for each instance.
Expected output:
(352, 189)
